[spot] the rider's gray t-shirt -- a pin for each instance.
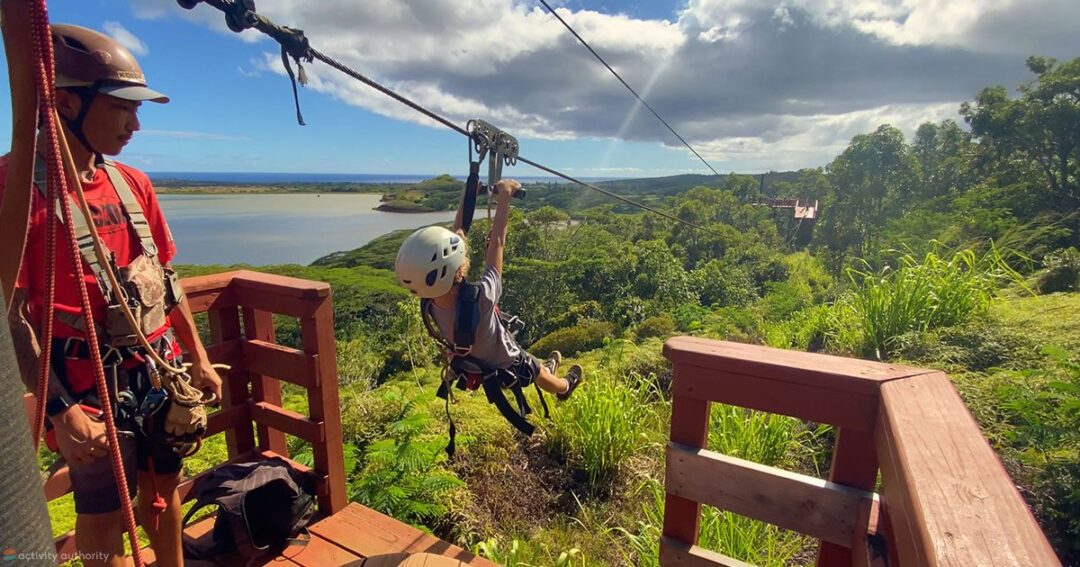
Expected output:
(492, 346)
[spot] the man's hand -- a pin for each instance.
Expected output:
(81, 439)
(506, 189)
(205, 378)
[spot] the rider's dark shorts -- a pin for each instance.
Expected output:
(94, 486)
(526, 368)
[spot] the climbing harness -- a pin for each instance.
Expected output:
(150, 290)
(138, 303)
(464, 372)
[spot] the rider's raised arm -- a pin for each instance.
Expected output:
(505, 190)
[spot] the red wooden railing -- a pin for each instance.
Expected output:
(945, 498)
(240, 307)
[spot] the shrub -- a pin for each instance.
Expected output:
(572, 340)
(578, 314)
(811, 270)
(811, 329)
(723, 283)
(656, 326)
(1062, 271)
(359, 361)
(690, 316)
(525, 553)
(784, 298)
(736, 324)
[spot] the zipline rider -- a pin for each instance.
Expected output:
(99, 88)
(433, 264)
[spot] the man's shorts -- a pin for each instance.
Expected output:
(94, 486)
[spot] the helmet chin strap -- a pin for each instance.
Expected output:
(86, 95)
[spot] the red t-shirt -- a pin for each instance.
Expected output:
(115, 232)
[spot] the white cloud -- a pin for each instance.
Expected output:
(995, 26)
(126, 38)
(758, 84)
(793, 142)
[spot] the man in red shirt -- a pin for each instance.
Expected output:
(99, 90)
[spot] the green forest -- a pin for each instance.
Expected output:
(956, 248)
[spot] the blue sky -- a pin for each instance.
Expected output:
(754, 85)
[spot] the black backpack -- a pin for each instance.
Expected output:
(262, 507)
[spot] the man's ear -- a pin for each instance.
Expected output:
(68, 103)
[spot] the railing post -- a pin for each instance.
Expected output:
(225, 326)
(259, 325)
(855, 464)
(689, 426)
(323, 403)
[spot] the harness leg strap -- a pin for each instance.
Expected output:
(523, 404)
(451, 447)
(495, 395)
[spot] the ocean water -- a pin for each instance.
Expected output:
(262, 229)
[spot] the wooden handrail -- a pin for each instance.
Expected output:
(945, 497)
(239, 306)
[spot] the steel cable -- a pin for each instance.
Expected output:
(296, 44)
(628, 87)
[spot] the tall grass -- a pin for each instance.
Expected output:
(937, 291)
(764, 438)
(603, 425)
(520, 553)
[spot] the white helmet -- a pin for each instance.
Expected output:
(428, 260)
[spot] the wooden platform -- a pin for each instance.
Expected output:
(349, 537)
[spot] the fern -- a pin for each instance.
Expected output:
(403, 476)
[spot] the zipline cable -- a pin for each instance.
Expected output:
(240, 15)
(628, 87)
(446, 122)
(606, 192)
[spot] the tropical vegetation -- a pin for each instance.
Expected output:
(956, 249)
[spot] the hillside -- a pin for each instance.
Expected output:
(955, 249)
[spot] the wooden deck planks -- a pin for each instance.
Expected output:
(367, 533)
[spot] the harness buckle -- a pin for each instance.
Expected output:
(71, 348)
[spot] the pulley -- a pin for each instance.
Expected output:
(500, 148)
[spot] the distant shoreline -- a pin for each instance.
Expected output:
(242, 189)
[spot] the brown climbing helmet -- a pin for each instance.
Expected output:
(89, 59)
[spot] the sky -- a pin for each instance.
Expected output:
(753, 85)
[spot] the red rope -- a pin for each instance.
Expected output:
(58, 189)
(50, 254)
